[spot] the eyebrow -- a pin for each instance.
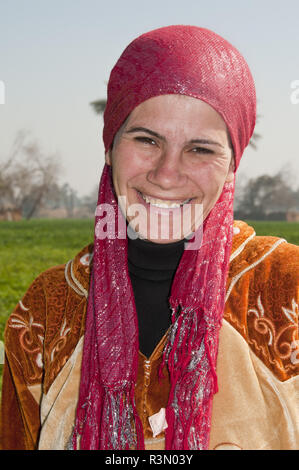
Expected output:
(205, 141)
(155, 134)
(148, 131)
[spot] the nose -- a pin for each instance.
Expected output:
(167, 172)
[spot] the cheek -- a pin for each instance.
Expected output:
(129, 164)
(210, 178)
(120, 176)
(125, 157)
(124, 171)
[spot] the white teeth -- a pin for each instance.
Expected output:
(163, 204)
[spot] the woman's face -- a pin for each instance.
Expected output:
(172, 151)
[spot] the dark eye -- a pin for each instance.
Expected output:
(201, 150)
(145, 140)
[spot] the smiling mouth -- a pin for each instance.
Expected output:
(163, 203)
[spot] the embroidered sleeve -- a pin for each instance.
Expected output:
(272, 317)
(23, 371)
(262, 303)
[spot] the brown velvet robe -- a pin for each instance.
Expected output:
(256, 406)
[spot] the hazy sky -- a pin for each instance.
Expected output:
(56, 56)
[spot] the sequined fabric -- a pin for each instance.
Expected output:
(195, 62)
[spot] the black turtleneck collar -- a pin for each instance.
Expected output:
(152, 267)
(154, 261)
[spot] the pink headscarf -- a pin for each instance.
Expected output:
(195, 62)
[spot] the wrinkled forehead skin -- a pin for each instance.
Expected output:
(185, 60)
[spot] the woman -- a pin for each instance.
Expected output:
(141, 369)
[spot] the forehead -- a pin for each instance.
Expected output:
(176, 114)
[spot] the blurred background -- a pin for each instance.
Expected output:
(55, 60)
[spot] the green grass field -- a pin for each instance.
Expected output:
(29, 247)
(287, 230)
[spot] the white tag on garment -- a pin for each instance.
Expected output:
(158, 422)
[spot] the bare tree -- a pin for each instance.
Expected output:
(27, 176)
(266, 195)
(90, 200)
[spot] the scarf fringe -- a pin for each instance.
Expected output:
(188, 348)
(122, 428)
